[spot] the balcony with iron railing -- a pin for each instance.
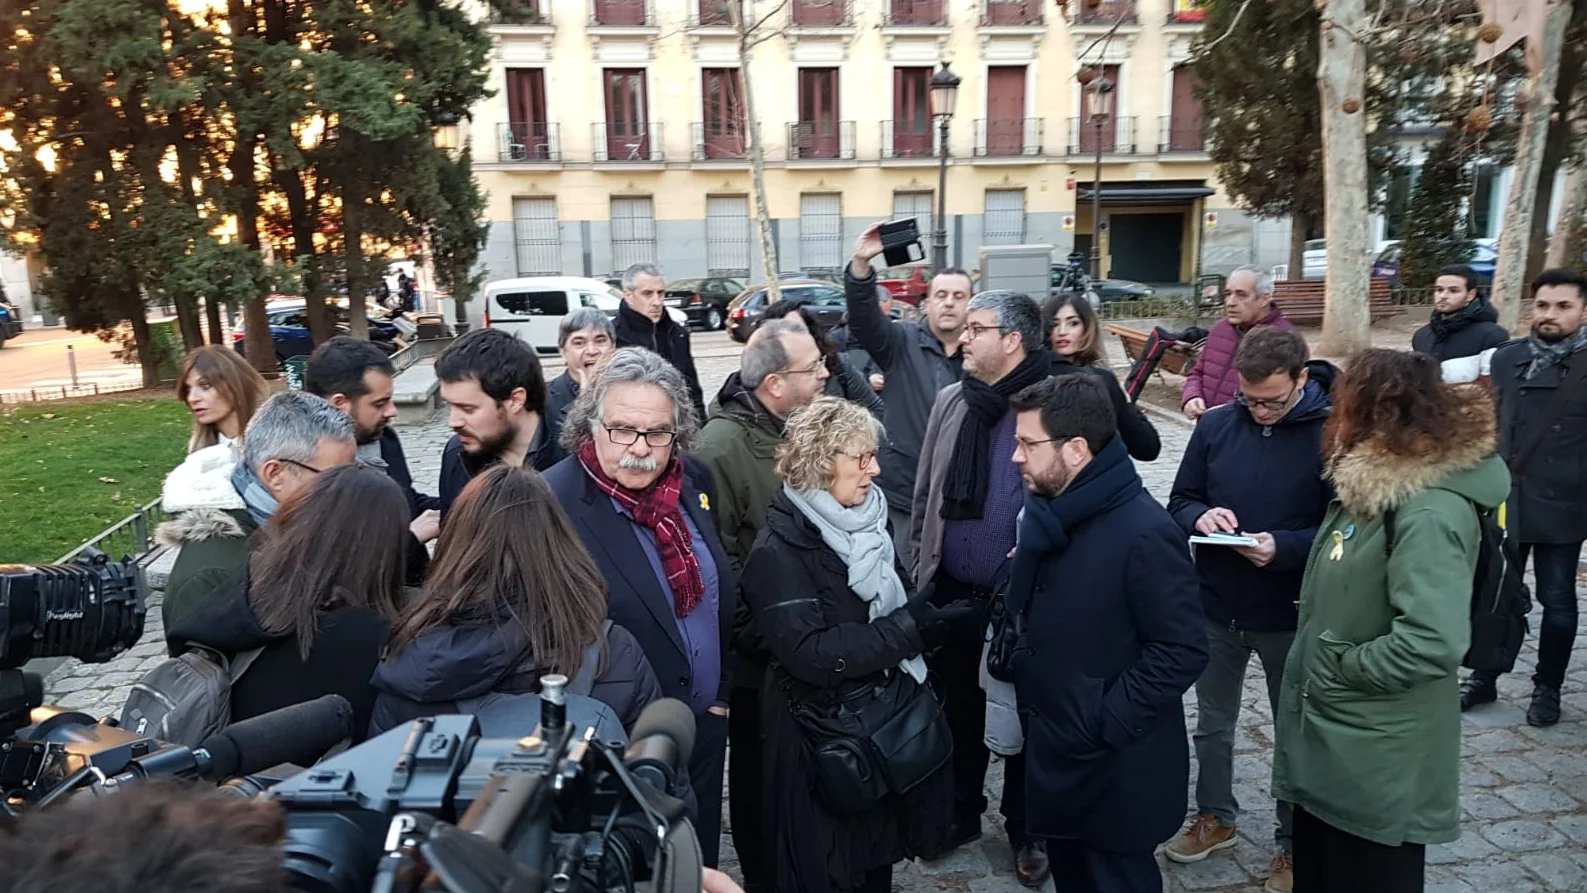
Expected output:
(623, 142)
(719, 141)
(915, 138)
(916, 13)
(1011, 13)
(1117, 137)
(1008, 137)
(820, 13)
(821, 141)
(621, 14)
(529, 141)
(1181, 136)
(710, 14)
(1106, 14)
(521, 12)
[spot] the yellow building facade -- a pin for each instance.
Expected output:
(616, 134)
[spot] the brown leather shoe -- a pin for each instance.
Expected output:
(1205, 836)
(1030, 863)
(1281, 877)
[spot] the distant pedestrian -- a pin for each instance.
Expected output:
(1075, 338)
(1113, 638)
(842, 380)
(1247, 303)
(585, 337)
(857, 356)
(1464, 330)
(1543, 438)
(222, 391)
(1368, 724)
(643, 321)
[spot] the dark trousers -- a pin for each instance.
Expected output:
(705, 776)
(1328, 860)
(1079, 868)
(1013, 805)
(877, 880)
(1554, 566)
(745, 794)
(956, 669)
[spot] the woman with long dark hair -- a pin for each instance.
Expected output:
(512, 596)
(843, 380)
(324, 584)
(222, 391)
(1368, 723)
(1075, 337)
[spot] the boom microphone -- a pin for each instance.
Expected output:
(299, 734)
(663, 741)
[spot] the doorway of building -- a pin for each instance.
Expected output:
(1146, 247)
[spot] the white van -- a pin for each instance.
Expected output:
(532, 308)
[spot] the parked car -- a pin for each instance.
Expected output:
(1107, 291)
(289, 327)
(908, 284)
(1482, 262)
(824, 299)
(704, 301)
(1314, 259)
(10, 321)
(532, 307)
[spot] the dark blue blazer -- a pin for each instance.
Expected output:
(1114, 639)
(638, 601)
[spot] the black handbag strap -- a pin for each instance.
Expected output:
(1556, 407)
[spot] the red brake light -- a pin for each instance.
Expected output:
(738, 313)
(236, 337)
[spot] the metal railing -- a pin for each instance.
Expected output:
(1005, 138)
(1011, 12)
(718, 141)
(625, 143)
(916, 139)
(1117, 137)
(530, 141)
(63, 392)
(621, 14)
(711, 14)
(821, 13)
(1181, 136)
(1107, 13)
(915, 13)
(821, 140)
(520, 12)
(131, 536)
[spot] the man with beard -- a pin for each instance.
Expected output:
(967, 496)
(780, 371)
(1464, 330)
(643, 321)
(497, 394)
(585, 337)
(356, 377)
(1543, 436)
(646, 511)
(1112, 639)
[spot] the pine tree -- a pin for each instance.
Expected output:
(1435, 233)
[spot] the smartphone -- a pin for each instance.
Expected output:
(901, 242)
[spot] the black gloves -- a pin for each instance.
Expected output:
(935, 622)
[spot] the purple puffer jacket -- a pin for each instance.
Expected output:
(1213, 378)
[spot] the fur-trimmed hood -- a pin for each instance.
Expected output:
(200, 498)
(1370, 480)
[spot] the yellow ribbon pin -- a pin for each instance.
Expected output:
(1338, 551)
(705, 502)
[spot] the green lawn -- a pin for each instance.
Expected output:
(70, 470)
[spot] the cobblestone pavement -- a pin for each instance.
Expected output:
(1523, 790)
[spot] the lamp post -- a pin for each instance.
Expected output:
(1100, 97)
(944, 97)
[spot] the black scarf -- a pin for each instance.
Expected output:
(964, 497)
(1446, 324)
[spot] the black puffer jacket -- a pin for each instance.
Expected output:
(666, 338)
(1467, 332)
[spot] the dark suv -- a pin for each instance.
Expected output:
(704, 301)
(824, 299)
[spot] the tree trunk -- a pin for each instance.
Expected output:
(217, 332)
(757, 161)
(353, 249)
(1557, 146)
(187, 322)
(1341, 78)
(1570, 211)
(143, 340)
(1509, 275)
(304, 217)
(1300, 225)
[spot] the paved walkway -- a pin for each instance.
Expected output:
(1524, 790)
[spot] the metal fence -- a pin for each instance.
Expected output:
(40, 395)
(131, 536)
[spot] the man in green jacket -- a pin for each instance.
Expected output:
(780, 371)
(1368, 723)
(219, 500)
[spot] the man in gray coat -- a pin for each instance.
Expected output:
(968, 493)
(917, 359)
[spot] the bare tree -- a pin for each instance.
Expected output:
(1571, 205)
(1341, 78)
(751, 32)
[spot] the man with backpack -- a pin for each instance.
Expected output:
(1543, 436)
(1252, 468)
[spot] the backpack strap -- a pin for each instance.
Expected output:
(583, 682)
(242, 661)
(1389, 517)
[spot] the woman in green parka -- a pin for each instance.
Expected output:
(1368, 724)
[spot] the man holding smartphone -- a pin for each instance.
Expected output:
(917, 359)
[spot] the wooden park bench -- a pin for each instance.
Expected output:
(1178, 360)
(1302, 300)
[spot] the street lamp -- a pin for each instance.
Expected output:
(944, 98)
(445, 133)
(1100, 99)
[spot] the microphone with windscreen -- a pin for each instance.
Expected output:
(299, 734)
(663, 741)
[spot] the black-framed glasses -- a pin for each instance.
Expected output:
(304, 465)
(660, 437)
(1273, 405)
(976, 330)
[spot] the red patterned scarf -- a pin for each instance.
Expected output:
(657, 509)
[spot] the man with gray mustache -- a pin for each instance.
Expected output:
(647, 514)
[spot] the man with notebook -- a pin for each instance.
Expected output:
(1250, 494)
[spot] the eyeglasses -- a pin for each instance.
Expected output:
(1028, 444)
(1253, 403)
(660, 437)
(306, 467)
(975, 330)
(811, 371)
(865, 458)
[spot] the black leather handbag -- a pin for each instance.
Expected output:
(873, 741)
